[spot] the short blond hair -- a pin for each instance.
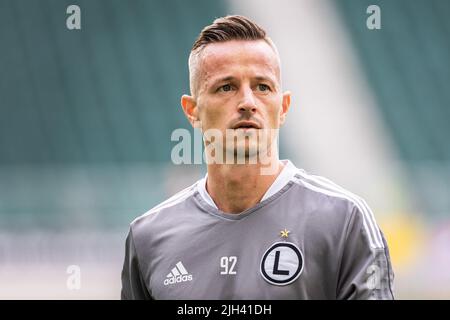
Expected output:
(234, 27)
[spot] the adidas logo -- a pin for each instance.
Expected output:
(177, 274)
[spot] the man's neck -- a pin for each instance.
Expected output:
(236, 188)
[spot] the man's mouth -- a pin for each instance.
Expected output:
(246, 125)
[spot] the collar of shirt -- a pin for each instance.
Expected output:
(283, 178)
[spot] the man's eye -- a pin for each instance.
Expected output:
(263, 87)
(226, 87)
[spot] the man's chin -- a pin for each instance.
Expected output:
(245, 154)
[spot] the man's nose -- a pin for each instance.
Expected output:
(247, 103)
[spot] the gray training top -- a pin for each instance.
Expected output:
(308, 238)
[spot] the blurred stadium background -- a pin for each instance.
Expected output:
(86, 118)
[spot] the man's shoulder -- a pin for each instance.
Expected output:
(326, 193)
(339, 204)
(161, 210)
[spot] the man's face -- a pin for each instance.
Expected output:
(239, 89)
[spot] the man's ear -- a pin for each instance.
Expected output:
(285, 106)
(190, 109)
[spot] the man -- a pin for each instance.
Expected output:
(243, 232)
